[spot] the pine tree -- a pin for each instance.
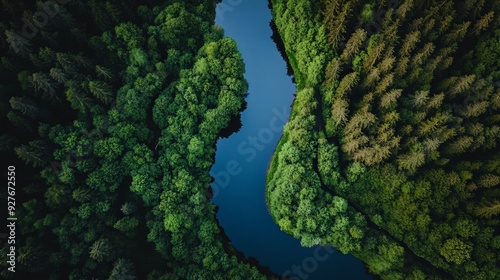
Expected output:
(67, 63)
(384, 132)
(391, 118)
(128, 208)
(495, 100)
(19, 121)
(101, 91)
(460, 145)
(429, 27)
(492, 134)
(483, 23)
(58, 75)
(347, 84)
(390, 33)
(385, 83)
(122, 270)
(18, 43)
(422, 56)
(353, 44)
(419, 117)
(364, 155)
(361, 120)
(78, 99)
(99, 250)
(82, 194)
(411, 161)
(488, 180)
(386, 64)
(420, 98)
(445, 24)
(43, 82)
(463, 84)
(372, 78)
(390, 98)
(374, 55)
(435, 101)
(402, 66)
(333, 69)
(446, 63)
(337, 27)
(34, 153)
(352, 145)
(416, 75)
(489, 209)
(340, 111)
(416, 24)
(409, 43)
(332, 8)
(475, 109)
(84, 61)
(25, 105)
(431, 145)
(378, 153)
(103, 72)
(475, 129)
(457, 34)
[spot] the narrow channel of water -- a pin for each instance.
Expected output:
(242, 159)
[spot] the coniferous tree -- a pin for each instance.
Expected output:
(122, 270)
(483, 23)
(99, 250)
(101, 91)
(25, 105)
(488, 209)
(353, 44)
(35, 153)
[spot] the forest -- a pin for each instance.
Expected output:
(391, 150)
(110, 112)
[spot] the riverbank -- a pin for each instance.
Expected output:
(243, 211)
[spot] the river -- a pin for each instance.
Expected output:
(242, 159)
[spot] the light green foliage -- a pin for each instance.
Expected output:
(328, 163)
(366, 15)
(456, 251)
(109, 148)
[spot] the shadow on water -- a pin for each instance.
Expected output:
(234, 124)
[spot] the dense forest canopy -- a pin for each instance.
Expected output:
(110, 111)
(391, 151)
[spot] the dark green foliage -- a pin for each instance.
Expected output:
(117, 121)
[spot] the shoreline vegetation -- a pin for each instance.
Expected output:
(400, 122)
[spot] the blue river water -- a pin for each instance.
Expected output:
(242, 159)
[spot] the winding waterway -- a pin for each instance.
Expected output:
(242, 159)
